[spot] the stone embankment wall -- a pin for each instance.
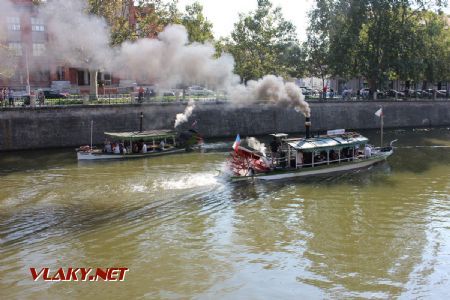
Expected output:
(32, 128)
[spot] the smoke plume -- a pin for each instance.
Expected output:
(272, 89)
(169, 61)
(183, 117)
(8, 60)
(76, 37)
(257, 145)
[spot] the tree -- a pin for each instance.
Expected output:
(198, 27)
(378, 39)
(436, 46)
(263, 42)
(154, 15)
(115, 12)
(318, 42)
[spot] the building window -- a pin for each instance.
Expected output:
(61, 73)
(38, 49)
(13, 23)
(37, 24)
(16, 48)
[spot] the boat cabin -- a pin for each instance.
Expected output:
(332, 148)
(141, 141)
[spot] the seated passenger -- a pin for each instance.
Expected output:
(108, 148)
(161, 146)
(367, 151)
(116, 149)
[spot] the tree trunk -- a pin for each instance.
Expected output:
(93, 90)
(372, 88)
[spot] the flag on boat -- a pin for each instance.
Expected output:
(379, 113)
(236, 143)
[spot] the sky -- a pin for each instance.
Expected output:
(223, 14)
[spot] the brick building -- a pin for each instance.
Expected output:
(24, 33)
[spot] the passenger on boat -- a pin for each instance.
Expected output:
(144, 148)
(108, 148)
(274, 148)
(299, 159)
(367, 151)
(135, 148)
(161, 146)
(116, 148)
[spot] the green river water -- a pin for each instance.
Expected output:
(184, 232)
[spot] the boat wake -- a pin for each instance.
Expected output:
(424, 146)
(187, 182)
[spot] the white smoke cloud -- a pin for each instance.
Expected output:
(82, 40)
(184, 117)
(8, 60)
(170, 61)
(76, 37)
(270, 88)
(257, 145)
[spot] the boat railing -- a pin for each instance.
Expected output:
(325, 162)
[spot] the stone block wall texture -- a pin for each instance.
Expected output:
(48, 127)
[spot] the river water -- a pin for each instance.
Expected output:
(185, 232)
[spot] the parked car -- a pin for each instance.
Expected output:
(22, 95)
(168, 93)
(197, 90)
(425, 93)
(394, 93)
(50, 94)
(347, 94)
(442, 93)
(408, 92)
(364, 92)
(306, 91)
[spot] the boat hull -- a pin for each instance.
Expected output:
(308, 172)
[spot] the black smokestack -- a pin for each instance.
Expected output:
(307, 127)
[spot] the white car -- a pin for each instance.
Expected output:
(364, 92)
(197, 90)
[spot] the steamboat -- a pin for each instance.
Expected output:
(336, 151)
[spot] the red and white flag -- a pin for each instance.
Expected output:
(379, 113)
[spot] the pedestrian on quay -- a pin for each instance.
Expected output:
(141, 94)
(2, 97)
(324, 92)
(10, 97)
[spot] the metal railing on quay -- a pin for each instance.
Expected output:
(117, 99)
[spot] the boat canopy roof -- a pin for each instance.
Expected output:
(279, 135)
(142, 135)
(328, 142)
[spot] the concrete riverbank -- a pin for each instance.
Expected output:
(67, 126)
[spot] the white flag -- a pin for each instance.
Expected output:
(379, 113)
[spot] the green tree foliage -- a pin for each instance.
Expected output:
(263, 42)
(115, 12)
(380, 40)
(318, 42)
(154, 15)
(198, 27)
